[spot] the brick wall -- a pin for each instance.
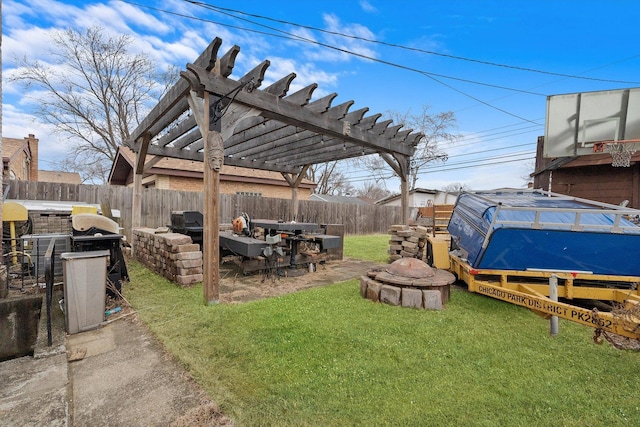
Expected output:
(227, 187)
(163, 182)
(172, 255)
(185, 184)
(50, 222)
(33, 166)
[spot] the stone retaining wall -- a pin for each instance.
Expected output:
(171, 255)
(407, 242)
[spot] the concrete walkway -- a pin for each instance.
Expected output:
(123, 378)
(119, 374)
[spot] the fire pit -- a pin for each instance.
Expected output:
(409, 282)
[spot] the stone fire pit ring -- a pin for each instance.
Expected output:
(408, 282)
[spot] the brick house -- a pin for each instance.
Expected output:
(20, 162)
(20, 158)
(187, 175)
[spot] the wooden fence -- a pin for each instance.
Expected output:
(158, 204)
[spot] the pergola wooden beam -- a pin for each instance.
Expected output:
(207, 59)
(281, 110)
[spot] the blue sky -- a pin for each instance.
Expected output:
(475, 68)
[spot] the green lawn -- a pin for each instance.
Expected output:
(328, 357)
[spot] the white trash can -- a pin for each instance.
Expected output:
(85, 286)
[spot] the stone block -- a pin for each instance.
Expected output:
(373, 290)
(364, 282)
(193, 247)
(187, 271)
(422, 230)
(179, 256)
(188, 280)
(399, 227)
(432, 299)
(189, 263)
(407, 245)
(411, 298)
(390, 294)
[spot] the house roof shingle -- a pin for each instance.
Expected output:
(58, 176)
(169, 165)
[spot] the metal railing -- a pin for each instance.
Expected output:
(49, 258)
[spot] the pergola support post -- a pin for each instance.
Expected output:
(404, 199)
(210, 128)
(211, 229)
(400, 165)
(294, 182)
(136, 213)
(294, 203)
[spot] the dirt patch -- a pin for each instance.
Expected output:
(207, 414)
(235, 287)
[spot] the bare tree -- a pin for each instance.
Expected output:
(528, 177)
(93, 91)
(456, 187)
(329, 179)
(90, 171)
(373, 191)
(437, 129)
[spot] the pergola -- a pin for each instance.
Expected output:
(209, 117)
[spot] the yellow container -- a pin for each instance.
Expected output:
(80, 209)
(438, 250)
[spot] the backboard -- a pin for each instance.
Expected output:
(575, 122)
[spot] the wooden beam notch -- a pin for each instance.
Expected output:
(281, 87)
(302, 97)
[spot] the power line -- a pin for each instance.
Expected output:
(473, 161)
(468, 164)
(481, 101)
(427, 74)
(444, 169)
(289, 36)
(479, 140)
(490, 150)
(476, 165)
(414, 49)
(483, 134)
(360, 55)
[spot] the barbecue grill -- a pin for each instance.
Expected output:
(189, 223)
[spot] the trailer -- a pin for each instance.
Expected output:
(514, 245)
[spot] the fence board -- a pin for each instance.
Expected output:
(158, 204)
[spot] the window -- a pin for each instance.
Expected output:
(248, 193)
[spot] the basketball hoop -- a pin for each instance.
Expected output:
(621, 151)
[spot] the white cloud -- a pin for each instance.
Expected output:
(340, 47)
(367, 6)
(32, 43)
(139, 18)
(17, 124)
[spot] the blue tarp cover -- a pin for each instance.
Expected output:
(554, 243)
